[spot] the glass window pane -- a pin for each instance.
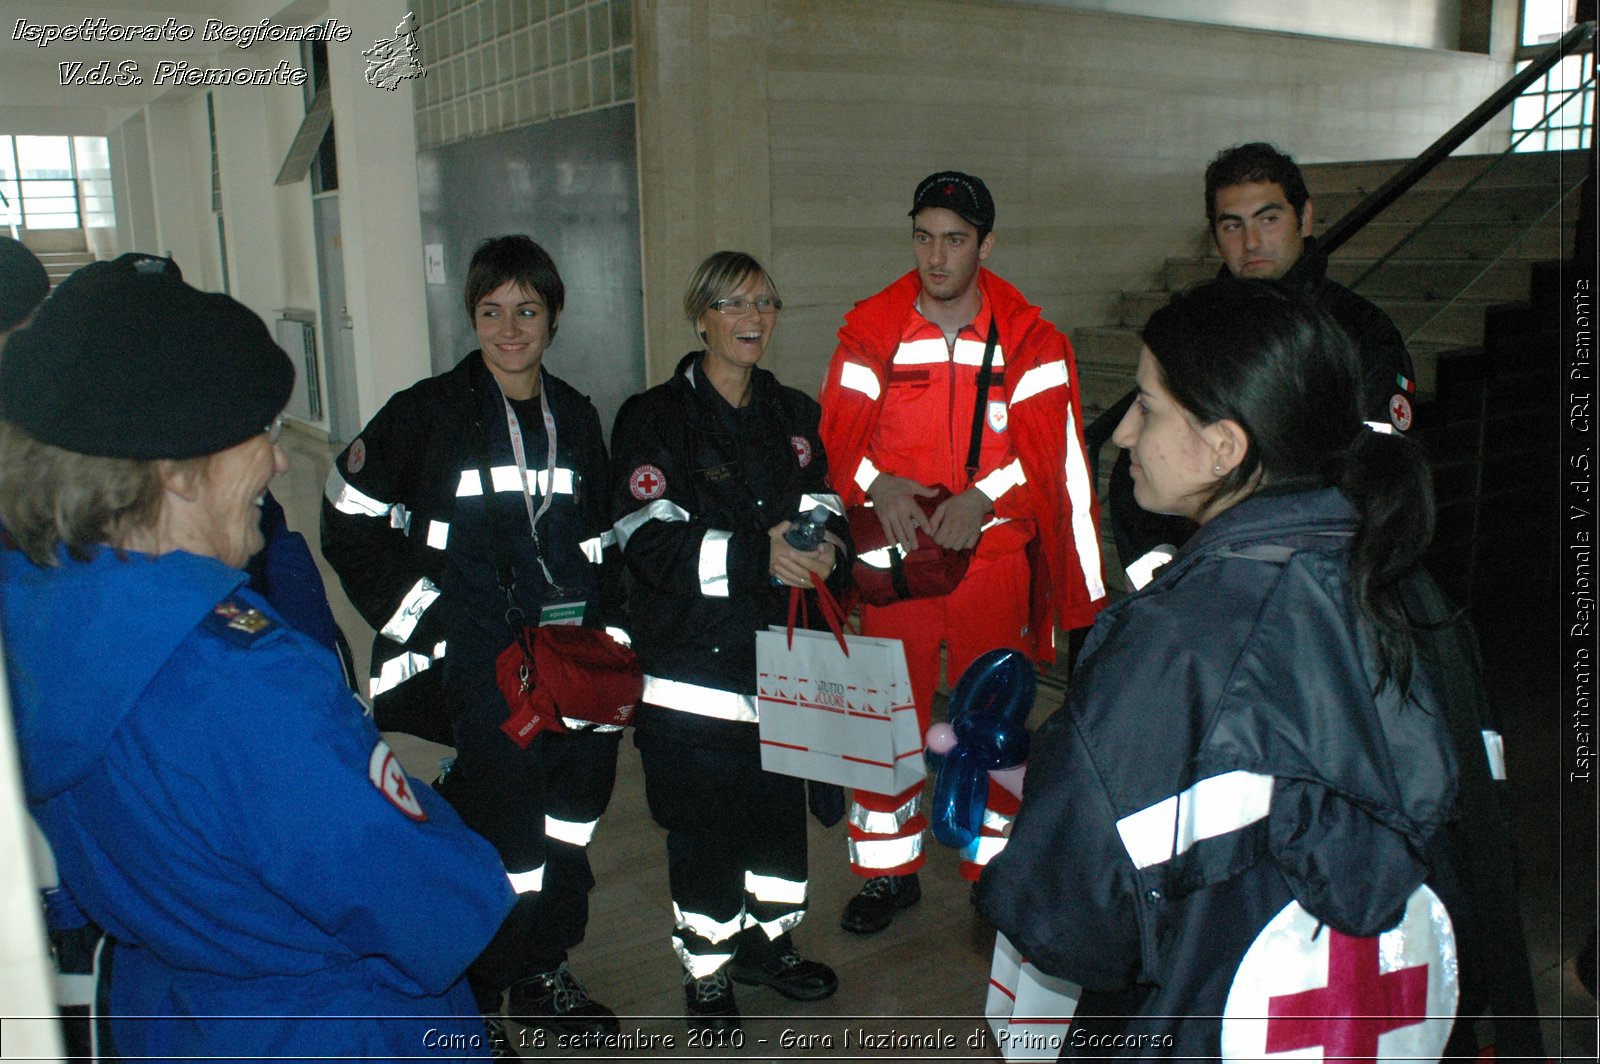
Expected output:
(8, 162)
(44, 156)
(1545, 19)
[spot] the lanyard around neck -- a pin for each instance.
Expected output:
(547, 489)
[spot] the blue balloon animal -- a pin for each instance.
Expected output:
(987, 730)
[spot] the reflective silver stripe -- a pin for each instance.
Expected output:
(706, 701)
(400, 517)
(74, 989)
(579, 724)
(876, 823)
(970, 353)
(396, 671)
(528, 882)
(714, 563)
(866, 473)
(699, 965)
(1003, 479)
(704, 926)
(660, 510)
(1080, 493)
(1494, 745)
(885, 853)
(594, 547)
(931, 351)
(1041, 379)
(786, 922)
(412, 607)
(1143, 569)
(505, 478)
(438, 534)
(831, 503)
(1380, 426)
(348, 500)
(859, 378)
(995, 822)
(879, 558)
(571, 832)
(1212, 807)
(981, 850)
(772, 888)
(620, 635)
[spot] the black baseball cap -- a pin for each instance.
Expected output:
(968, 196)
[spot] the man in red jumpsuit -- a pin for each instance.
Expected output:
(897, 414)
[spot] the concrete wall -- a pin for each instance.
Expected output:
(797, 130)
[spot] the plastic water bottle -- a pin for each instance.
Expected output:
(806, 533)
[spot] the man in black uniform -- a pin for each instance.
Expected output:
(1260, 214)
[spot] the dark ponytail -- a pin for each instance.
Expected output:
(1389, 481)
(1273, 361)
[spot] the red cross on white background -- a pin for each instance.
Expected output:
(1359, 1004)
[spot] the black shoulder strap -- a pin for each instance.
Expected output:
(985, 372)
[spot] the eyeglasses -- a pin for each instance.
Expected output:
(761, 305)
(275, 429)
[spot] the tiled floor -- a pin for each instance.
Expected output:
(923, 980)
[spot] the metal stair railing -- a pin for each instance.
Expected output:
(1565, 190)
(1414, 171)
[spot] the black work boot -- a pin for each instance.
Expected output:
(555, 1001)
(709, 1001)
(776, 963)
(873, 909)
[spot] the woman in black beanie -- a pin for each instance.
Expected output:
(210, 788)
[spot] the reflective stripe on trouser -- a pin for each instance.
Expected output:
(536, 807)
(736, 846)
(989, 609)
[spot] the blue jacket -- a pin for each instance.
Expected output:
(217, 800)
(1251, 672)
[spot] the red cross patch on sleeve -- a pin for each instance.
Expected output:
(647, 482)
(802, 449)
(387, 774)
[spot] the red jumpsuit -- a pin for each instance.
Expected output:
(898, 399)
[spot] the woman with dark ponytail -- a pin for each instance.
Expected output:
(1242, 834)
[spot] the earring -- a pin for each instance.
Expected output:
(1216, 469)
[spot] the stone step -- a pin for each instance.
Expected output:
(1436, 279)
(61, 264)
(1510, 202)
(1522, 169)
(1484, 240)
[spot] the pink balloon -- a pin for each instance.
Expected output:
(941, 738)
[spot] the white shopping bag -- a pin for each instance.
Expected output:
(1029, 1012)
(837, 719)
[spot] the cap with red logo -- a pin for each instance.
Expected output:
(966, 195)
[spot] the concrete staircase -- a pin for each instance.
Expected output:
(1525, 209)
(1477, 262)
(61, 250)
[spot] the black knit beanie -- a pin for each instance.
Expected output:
(128, 363)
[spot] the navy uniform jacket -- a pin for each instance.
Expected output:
(696, 487)
(218, 801)
(1294, 781)
(403, 526)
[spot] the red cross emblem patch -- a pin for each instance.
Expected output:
(802, 449)
(1400, 411)
(1305, 991)
(647, 482)
(387, 774)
